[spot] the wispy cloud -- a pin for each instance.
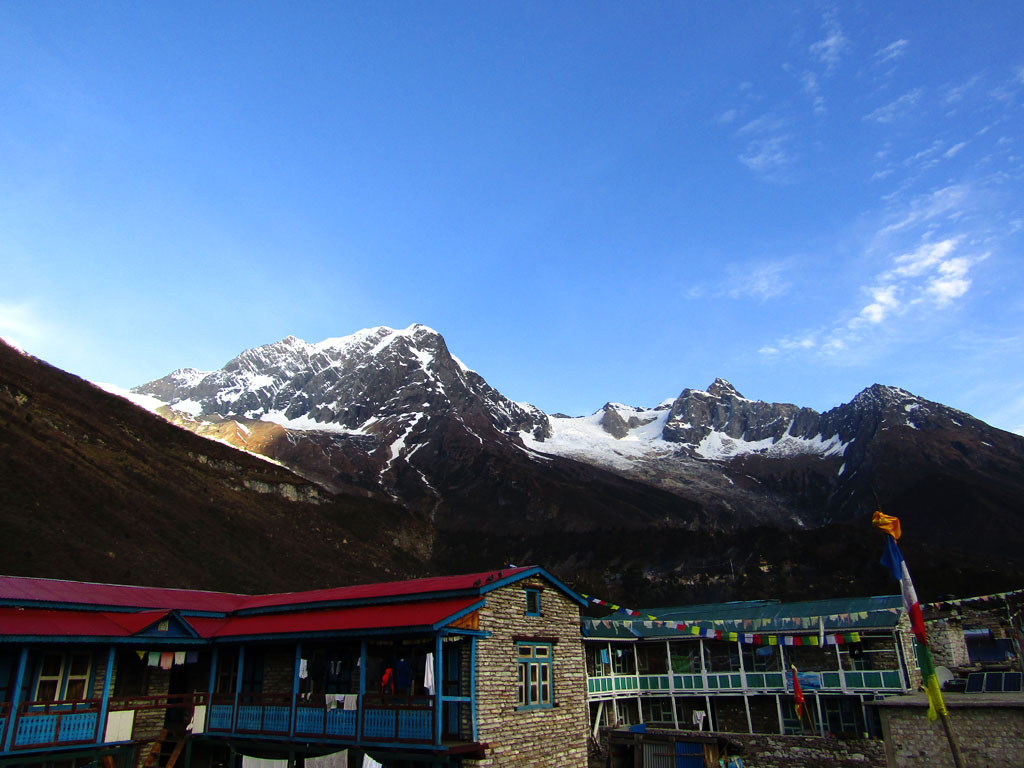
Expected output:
(767, 123)
(895, 109)
(760, 280)
(928, 249)
(944, 202)
(810, 84)
(830, 48)
(954, 150)
(728, 116)
(892, 51)
(955, 93)
(767, 156)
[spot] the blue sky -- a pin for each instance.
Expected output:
(591, 201)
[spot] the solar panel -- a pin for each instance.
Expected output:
(975, 682)
(1012, 681)
(993, 682)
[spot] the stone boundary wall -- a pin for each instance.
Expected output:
(761, 750)
(989, 737)
(776, 751)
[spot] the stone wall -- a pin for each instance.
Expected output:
(279, 669)
(774, 751)
(947, 644)
(544, 737)
(989, 737)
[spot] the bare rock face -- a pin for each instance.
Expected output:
(696, 413)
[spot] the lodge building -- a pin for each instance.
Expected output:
(483, 669)
(486, 669)
(729, 667)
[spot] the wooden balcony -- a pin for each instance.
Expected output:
(832, 681)
(55, 723)
(370, 718)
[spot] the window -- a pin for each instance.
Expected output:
(533, 602)
(534, 663)
(63, 677)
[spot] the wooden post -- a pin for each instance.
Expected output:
(954, 747)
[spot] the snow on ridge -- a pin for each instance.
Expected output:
(718, 446)
(147, 402)
(584, 437)
(305, 423)
(189, 377)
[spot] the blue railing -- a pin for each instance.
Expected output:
(407, 719)
(56, 723)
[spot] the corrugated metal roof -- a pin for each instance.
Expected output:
(46, 622)
(422, 613)
(43, 622)
(389, 589)
(52, 591)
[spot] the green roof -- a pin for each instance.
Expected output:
(754, 616)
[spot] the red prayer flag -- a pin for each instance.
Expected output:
(798, 695)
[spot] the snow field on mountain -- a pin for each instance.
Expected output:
(584, 438)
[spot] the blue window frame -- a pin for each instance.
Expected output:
(533, 602)
(534, 664)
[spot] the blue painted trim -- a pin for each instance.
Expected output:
(362, 689)
(549, 662)
(90, 683)
(178, 620)
(532, 591)
(535, 571)
(446, 632)
(459, 614)
(295, 691)
(108, 675)
(19, 680)
(238, 685)
(438, 688)
(472, 684)
(213, 674)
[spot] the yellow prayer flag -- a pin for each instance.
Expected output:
(887, 523)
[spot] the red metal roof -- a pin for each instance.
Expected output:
(422, 613)
(45, 622)
(48, 623)
(385, 589)
(54, 592)
(25, 589)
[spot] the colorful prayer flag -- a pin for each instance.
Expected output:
(893, 560)
(890, 525)
(798, 694)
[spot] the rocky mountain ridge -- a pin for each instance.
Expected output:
(98, 489)
(393, 414)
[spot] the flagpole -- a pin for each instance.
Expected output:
(891, 527)
(954, 747)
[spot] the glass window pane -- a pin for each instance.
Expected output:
(47, 690)
(79, 666)
(51, 665)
